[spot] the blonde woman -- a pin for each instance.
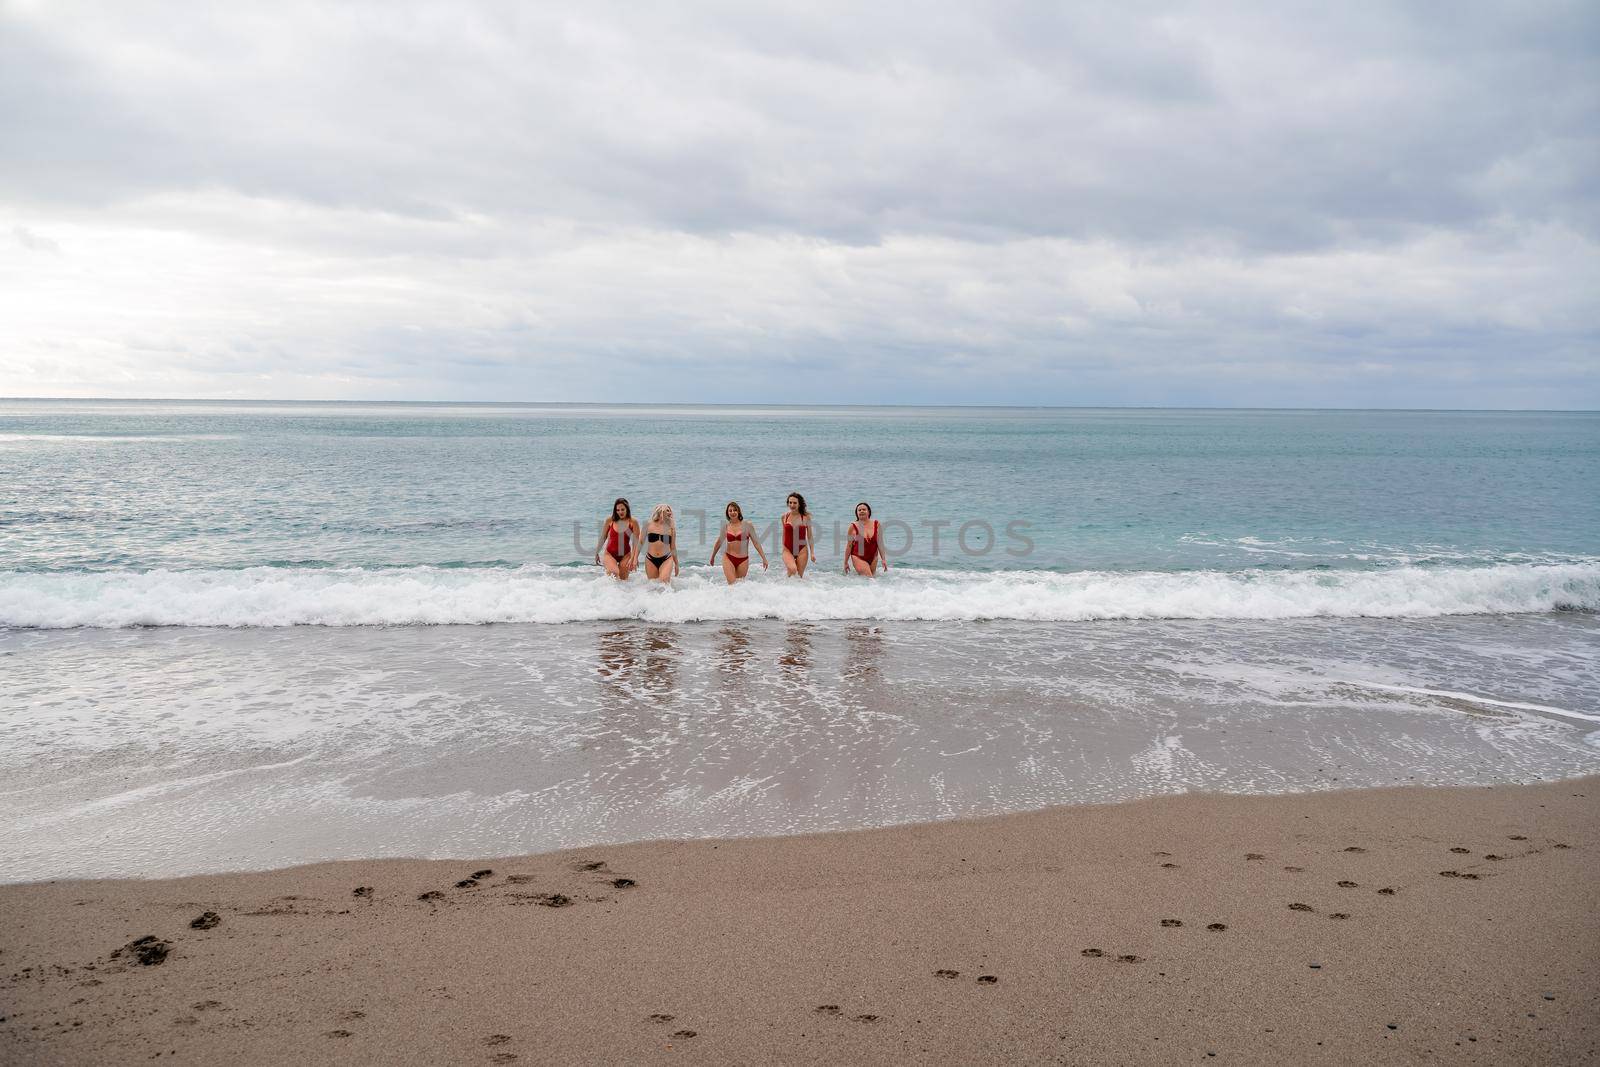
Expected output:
(736, 531)
(661, 545)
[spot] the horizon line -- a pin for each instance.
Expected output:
(775, 404)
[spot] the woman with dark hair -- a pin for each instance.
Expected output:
(865, 553)
(619, 536)
(798, 542)
(736, 531)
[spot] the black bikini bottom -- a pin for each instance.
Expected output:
(657, 562)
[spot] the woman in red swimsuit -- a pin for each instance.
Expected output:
(619, 536)
(865, 554)
(736, 563)
(798, 541)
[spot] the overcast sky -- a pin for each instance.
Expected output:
(1234, 204)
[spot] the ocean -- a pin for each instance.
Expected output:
(247, 634)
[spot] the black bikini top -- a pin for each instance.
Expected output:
(658, 537)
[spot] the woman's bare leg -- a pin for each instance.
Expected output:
(862, 567)
(611, 565)
(791, 566)
(801, 561)
(729, 571)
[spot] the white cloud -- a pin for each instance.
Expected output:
(1020, 203)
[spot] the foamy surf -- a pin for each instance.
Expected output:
(266, 597)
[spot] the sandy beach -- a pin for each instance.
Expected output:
(1382, 925)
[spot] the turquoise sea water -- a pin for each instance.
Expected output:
(212, 653)
(1077, 513)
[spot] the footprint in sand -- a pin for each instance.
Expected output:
(1294, 870)
(553, 900)
(362, 891)
(1348, 885)
(946, 973)
(987, 979)
(1388, 891)
(827, 1009)
(591, 865)
(1130, 958)
(206, 1005)
(1217, 928)
(1297, 906)
(351, 1016)
(1171, 922)
(1354, 848)
(1093, 953)
(623, 883)
(497, 1039)
(1254, 856)
(1517, 837)
(206, 920)
(1340, 915)
(432, 894)
(149, 950)
(503, 1057)
(1492, 856)
(1170, 866)
(866, 1018)
(685, 1033)
(1458, 850)
(486, 872)
(337, 1033)
(466, 883)
(1560, 845)
(1160, 853)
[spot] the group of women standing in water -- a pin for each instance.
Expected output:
(621, 541)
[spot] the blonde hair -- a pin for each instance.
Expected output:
(657, 511)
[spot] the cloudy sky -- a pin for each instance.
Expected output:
(1213, 203)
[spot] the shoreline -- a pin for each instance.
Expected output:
(837, 946)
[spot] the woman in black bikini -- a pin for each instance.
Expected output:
(865, 553)
(736, 563)
(619, 535)
(661, 544)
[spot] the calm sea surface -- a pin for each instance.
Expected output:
(213, 650)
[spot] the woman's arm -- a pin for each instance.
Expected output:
(635, 542)
(604, 526)
(811, 537)
(883, 550)
(717, 544)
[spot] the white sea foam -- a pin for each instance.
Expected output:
(537, 593)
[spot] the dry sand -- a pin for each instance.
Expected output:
(1373, 926)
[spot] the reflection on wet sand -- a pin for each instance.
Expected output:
(735, 652)
(796, 659)
(863, 653)
(634, 664)
(660, 662)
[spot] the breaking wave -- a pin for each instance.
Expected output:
(321, 596)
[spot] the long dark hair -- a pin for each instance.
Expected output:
(802, 500)
(623, 501)
(733, 505)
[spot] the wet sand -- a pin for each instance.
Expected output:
(1383, 925)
